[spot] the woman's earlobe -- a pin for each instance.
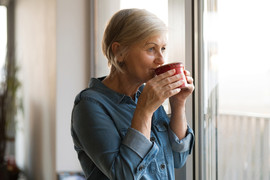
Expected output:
(120, 58)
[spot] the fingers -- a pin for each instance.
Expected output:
(189, 79)
(172, 88)
(167, 83)
(172, 92)
(166, 74)
(187, 73)
(167, 78)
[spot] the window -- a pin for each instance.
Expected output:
(234, 66)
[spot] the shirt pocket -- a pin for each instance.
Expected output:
(163, 138)
(161, 127)
(161, 133)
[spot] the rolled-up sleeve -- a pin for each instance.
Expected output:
(137, 142)
(181, 147)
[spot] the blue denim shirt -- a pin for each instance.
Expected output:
(108, 148)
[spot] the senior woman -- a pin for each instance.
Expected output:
(119, 127)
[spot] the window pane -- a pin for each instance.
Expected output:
(236, 59)
(244, 118)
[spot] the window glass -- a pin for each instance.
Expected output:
(244, 92)
(236, 70)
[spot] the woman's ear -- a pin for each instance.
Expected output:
(116, 48)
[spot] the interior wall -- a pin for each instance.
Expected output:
(176, 24)
(35, 44)
(52, 43)
(104, 10)
(73, 64)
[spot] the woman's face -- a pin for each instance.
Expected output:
(143, 58)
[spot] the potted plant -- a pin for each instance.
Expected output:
(8, 109)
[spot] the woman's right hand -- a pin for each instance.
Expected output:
(155, 92)
(158, 89)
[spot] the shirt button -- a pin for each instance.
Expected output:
(162, 166)
(141, 168)
(152, 139)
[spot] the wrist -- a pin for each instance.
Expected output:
(178, 105)
(142, 122)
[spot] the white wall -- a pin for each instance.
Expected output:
(52, 42)
(104, 11)
(36, 55)
(72, 39)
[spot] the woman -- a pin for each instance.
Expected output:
(119, 127)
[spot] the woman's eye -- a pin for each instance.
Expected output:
(151, 49)
(163, 49)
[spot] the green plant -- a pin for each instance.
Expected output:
(9, 105)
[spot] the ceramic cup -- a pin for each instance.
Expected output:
(179, 69)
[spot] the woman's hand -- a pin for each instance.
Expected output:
(180, 98)
(178, 121)
(155, 92)
(158, 89)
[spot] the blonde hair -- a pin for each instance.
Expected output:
(128, 27)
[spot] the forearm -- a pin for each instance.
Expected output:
(178, 122)
(142, 122)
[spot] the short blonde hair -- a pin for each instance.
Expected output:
(128, 27)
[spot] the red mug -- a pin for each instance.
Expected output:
(179, 69)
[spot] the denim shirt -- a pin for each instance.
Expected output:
(108, 148)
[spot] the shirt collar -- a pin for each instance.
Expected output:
(96, 84)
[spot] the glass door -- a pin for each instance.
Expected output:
(232, 66)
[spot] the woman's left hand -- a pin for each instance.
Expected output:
(180, 98)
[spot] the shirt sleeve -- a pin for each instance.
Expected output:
(117, 158)
(181, 148)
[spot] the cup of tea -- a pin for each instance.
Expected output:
(179, 69)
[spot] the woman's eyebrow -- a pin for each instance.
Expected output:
(147, 43)
(156, 44)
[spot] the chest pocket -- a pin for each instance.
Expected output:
(162, 126)
(162, 133)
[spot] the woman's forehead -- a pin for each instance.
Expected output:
(158, 40)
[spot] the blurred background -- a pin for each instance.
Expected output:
(50, 49)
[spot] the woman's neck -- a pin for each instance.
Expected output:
(121, 83)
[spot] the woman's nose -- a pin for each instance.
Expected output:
(160, 58)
